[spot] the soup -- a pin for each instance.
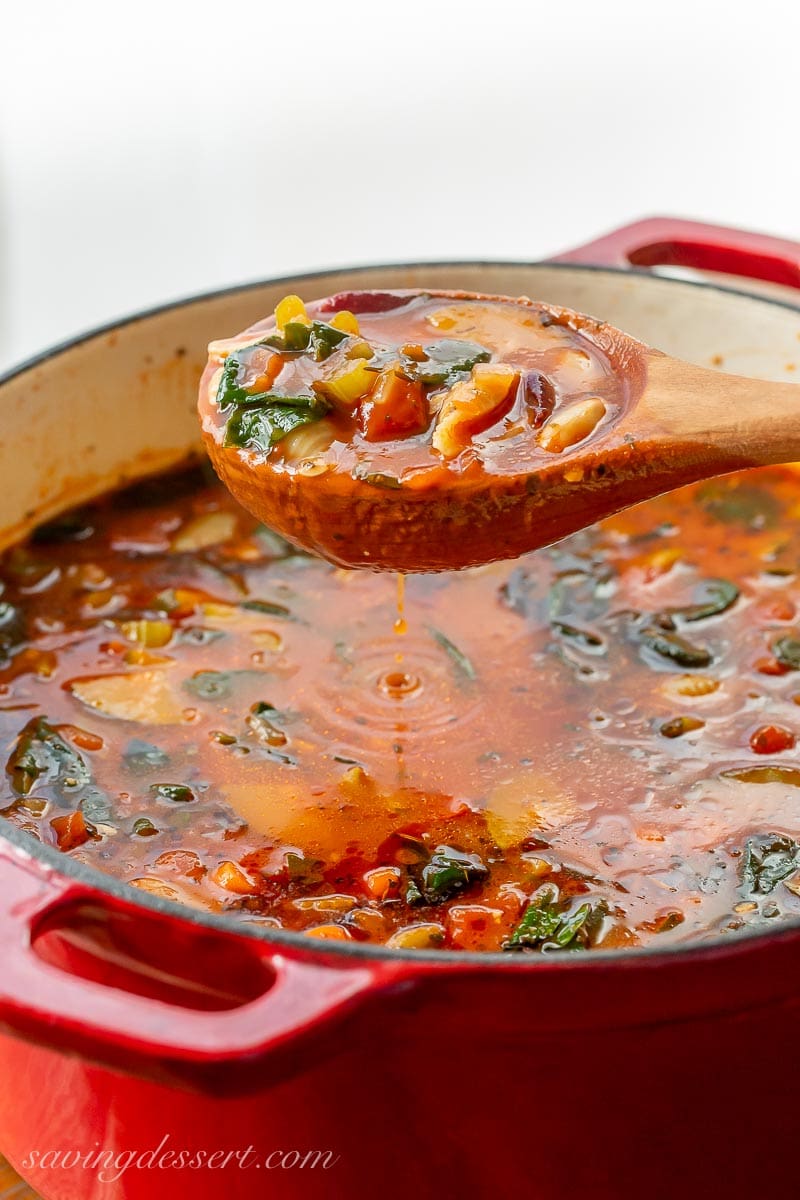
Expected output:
(590, 748)
(402, 435)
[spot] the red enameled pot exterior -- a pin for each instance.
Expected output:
(615, 1076)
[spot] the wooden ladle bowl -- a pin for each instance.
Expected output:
(521, 483)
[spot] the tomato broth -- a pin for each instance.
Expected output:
(592, 747)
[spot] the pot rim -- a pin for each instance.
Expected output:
(96, 880)
(254, 285)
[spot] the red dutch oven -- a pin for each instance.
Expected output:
(151, 1050)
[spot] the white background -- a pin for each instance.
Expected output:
(156, 149)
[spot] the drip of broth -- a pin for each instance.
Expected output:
(401, 683)
(400, 624)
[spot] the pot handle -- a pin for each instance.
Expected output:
(670, 241)
(297, 993)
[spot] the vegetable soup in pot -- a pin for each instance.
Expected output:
(592, 747)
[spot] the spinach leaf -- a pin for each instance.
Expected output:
(144, 827)
(144, 756)
(768, 859)
(787, 651)
(41, 758)
(297, 337)
(462, 664)
(268, 607)
(737, 503)
(570, 926)
(259, 420)
(72, 526)
(447, 360)
(261, 425)
(539, 921)
(325, 339)
(549, 923)
(261, 723)
(675, 648)
(584, 637)
(217, 685)
(12, 628)
(210, 685)
(715, 596)
(176, 793)
(303, 870)
(230, 392)
(448, 871)
(95, 807)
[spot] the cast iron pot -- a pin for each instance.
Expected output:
(130, 1024)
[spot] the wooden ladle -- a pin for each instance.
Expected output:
(676, 424)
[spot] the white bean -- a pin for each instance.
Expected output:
(571, 424)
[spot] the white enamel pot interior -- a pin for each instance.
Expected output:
(119, 403)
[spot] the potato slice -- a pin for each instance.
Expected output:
(523, 805)
(145, 696)
(209, 529)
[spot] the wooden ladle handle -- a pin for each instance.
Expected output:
(728, 420)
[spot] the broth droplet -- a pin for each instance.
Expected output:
(399, 684)
(400, 623)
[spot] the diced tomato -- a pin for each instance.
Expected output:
(771, 739)
(70, 830)
(396, 407)
(777, 608)
(769, 665)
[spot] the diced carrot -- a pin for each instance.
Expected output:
(475, 927)
(70, 830)
(30, 662)
(383, 881)
(81, 737)
(231, 877)
(331, 933)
